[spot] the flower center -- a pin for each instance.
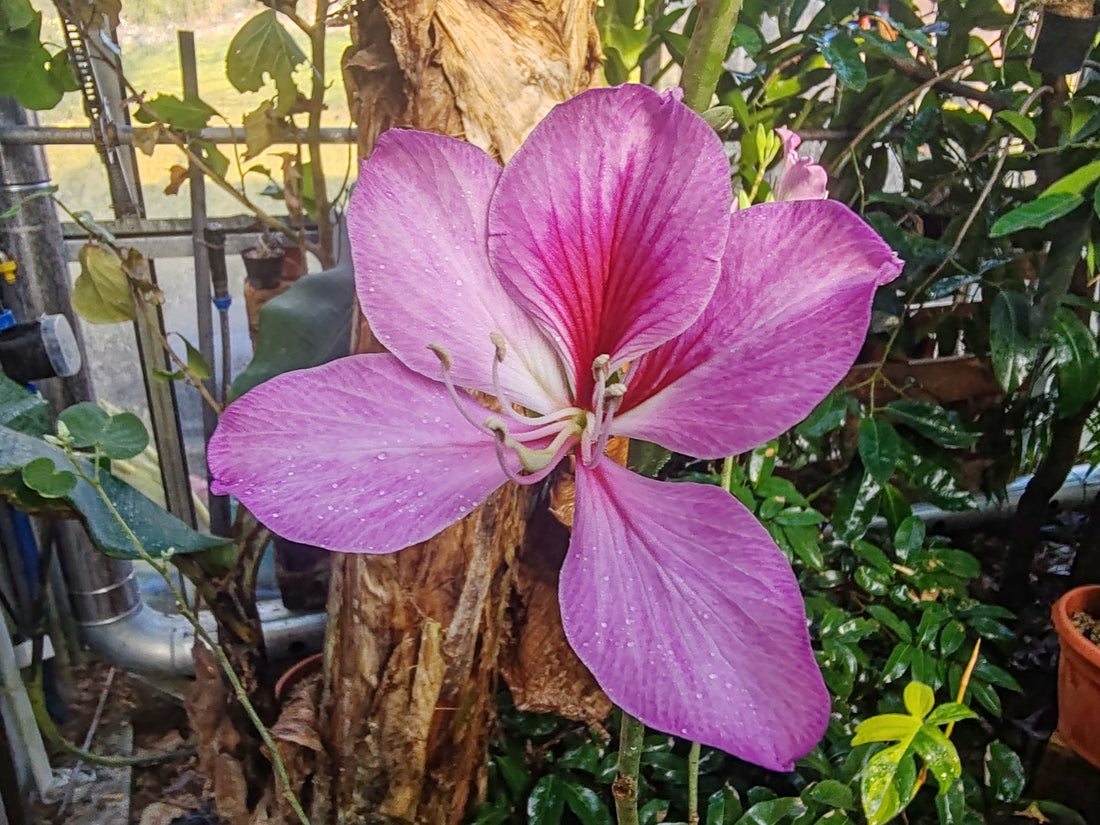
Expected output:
(539, 442)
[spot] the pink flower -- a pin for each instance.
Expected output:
(800, 178)
(599, 284)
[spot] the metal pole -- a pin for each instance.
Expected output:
(219, 505)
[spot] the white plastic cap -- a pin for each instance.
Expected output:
(60, 344)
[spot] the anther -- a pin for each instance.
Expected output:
(443, 356)
(599, 367)
(500, 344)
(614, 391)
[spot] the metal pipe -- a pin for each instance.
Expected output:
(35, 135)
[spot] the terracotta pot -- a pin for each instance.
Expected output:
(296, 673)
(1078, 675)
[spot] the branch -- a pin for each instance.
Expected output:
(922, 73)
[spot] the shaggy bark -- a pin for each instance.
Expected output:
(416, 638)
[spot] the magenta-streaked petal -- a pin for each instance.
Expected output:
(417, 223)
(689, 616)
(786, 322)
(361, 455)
(609, 223)
(800, 179)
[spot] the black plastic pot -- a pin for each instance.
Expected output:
(1063, 43)
(263, 271)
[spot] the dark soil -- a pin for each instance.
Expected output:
(1088, 625)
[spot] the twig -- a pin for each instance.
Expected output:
(707, 50)
(693, 784)
(71, 789)
(625, 786)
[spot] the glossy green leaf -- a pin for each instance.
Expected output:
(826, 416)
(952, 637)
(887, 784)
(1076, 361)
(1076, 182)
(909, 537)
(939, 754)
(891, 620)
(101, 293)
(934, 481)
(894, 507)
(195, 361)
(856, 505)
(261, 47)
(949, 712)
(158, 531)
(879, 448)
(1021, 124)
(307, 325)
(842, 53)
(919, 699)
(830, 792)
(22, 410)
(45, 479)
(886, 727)
(546, 803)
(1036, 214)
(805, 543)
(1004, 772)
(771, 811)
(723, 807)
(941, 426)
(585, 804)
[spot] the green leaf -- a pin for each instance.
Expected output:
(1004, 772)
(952, 637)
(950, 712)
(24, 65)
(939, 753)
(102, 294)
(189, 114)
(17, 14)
(890, 619)
(1076, 361)
(307, 325)
(842, 53)
(546, 802)
(771, 811)
(805, 543)
(909, 537)
(195, 362)
(830, 792)
(158, 531)
(21, 409)
(264, 46)
(919, 699)
(856, 504)
(1037, 214)
(45, 479)
(646, 458)
(934, 481)
(723, 807)
(1012, 349)
(124, 436)
(943, 427)
(86, 423)
(1076, 182)
(879, 447)
(886, 727)
(888, 784)
(1022, 124)
(585, 804)
(826, 416)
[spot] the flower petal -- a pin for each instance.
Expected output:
(689, 617)
(609, 223)
(417, 222)
(360, 454)
(786, 322)
(800, 179)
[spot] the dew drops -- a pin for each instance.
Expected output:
(712, 675)
(382, 456)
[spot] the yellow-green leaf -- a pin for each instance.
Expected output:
(919, 699)
(101, 294)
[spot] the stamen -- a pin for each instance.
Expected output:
(445, 361)
(537, 463)
(614, 401)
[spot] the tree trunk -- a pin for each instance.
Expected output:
(417, 639)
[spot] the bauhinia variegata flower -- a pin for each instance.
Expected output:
(595, 286)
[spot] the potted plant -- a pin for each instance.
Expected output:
(263, 263)
(1079, 671)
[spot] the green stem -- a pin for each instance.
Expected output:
(223, 660)
(693, 784)
(625, 787)
(727, 473)
(707, 51)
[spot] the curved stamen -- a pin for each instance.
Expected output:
(506, 403)
(614, 396)
(445, 362)
(537, 463)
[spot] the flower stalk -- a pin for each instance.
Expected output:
(707, 51)
(625, 787)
